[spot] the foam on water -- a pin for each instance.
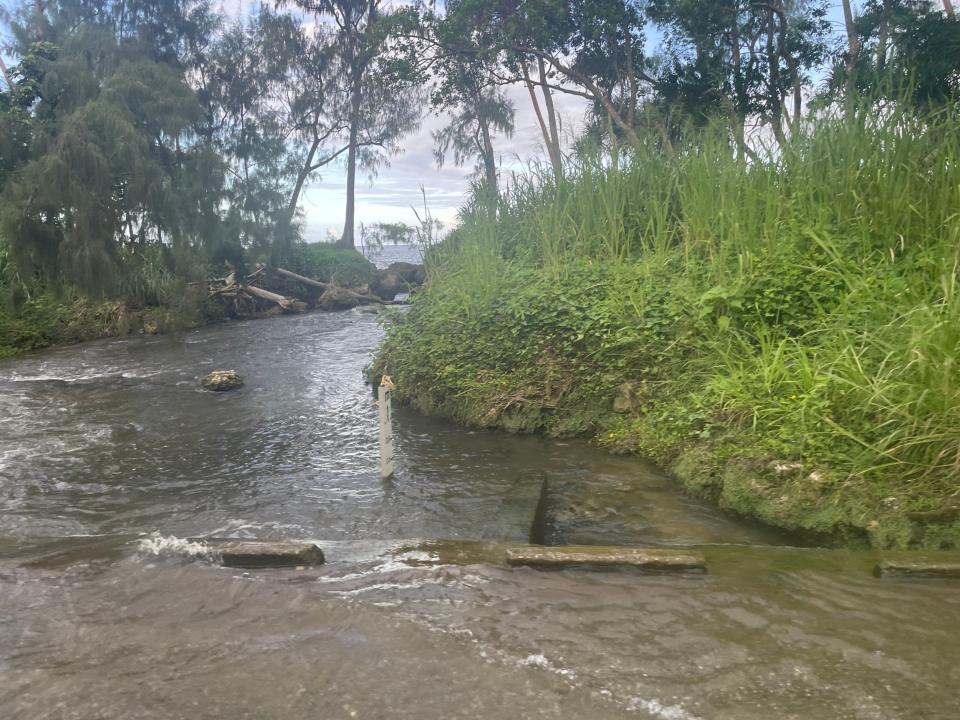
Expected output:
(171, 546)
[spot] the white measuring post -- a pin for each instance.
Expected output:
(386, 427)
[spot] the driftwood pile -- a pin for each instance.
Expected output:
(271, 291)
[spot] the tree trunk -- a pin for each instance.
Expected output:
(548, 135)
(489, 164)
(948, 8)
(792, 65)
(882, 34)
(38, 18)
(284, 302)
(6, 75)
(773, 68)
(554, 137)
(346, 240)
(739, 121)
(301, 179)
(853, 50)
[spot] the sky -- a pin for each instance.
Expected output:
(413, 177)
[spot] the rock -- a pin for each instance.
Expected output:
(386, 285)
(409, 273)
(220, 380)
(917, 568)
(626, 398)
(782, 468)
(265, 553)
(337, 298)
(398, 277)
(657, 559)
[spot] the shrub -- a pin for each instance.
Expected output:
(328, 263)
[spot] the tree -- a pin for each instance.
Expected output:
(465, 85)
(588, 48)
(108, 165)
(739, 59)
(907, 51)
(852, 58)
(377, 104)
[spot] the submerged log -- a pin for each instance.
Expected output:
(655, 559)
(917, 568)
(265, 553)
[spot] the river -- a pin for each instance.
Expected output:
(111, 458)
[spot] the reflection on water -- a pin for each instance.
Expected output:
(105, 443)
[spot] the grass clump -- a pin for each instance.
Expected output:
(783, 334)
(329, 263)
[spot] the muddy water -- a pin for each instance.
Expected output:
(110, 458)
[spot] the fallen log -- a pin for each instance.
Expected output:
(301, 279)
(327, 286)
(284, 302)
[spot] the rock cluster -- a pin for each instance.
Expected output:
(220, 380)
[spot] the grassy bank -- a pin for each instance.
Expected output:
(46, 320)
(783, 335)
(153, 294)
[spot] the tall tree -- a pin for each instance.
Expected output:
(478, 113)
(466, 86)
(112, 163)
(741, 59)
(908, 52)
(852, 58)
(379, 106)
(592, 49)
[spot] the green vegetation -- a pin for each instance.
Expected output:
(330, 263)
(784, 335)
(144, 145)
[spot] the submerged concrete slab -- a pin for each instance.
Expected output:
(917, 568)
(653, 559)
(265, 553)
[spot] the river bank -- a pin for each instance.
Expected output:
(46, 320)
(781, 338)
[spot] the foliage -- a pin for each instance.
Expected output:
(909, 52)
(784, 335)
(329, 263)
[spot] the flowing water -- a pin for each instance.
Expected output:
(112, 461)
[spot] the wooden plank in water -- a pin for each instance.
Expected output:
(917, 568)
(654, 559)
(265, 553)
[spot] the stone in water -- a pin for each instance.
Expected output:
(220, 380)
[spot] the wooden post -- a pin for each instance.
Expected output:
(386, 427)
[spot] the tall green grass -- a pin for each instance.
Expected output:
(812, 292)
